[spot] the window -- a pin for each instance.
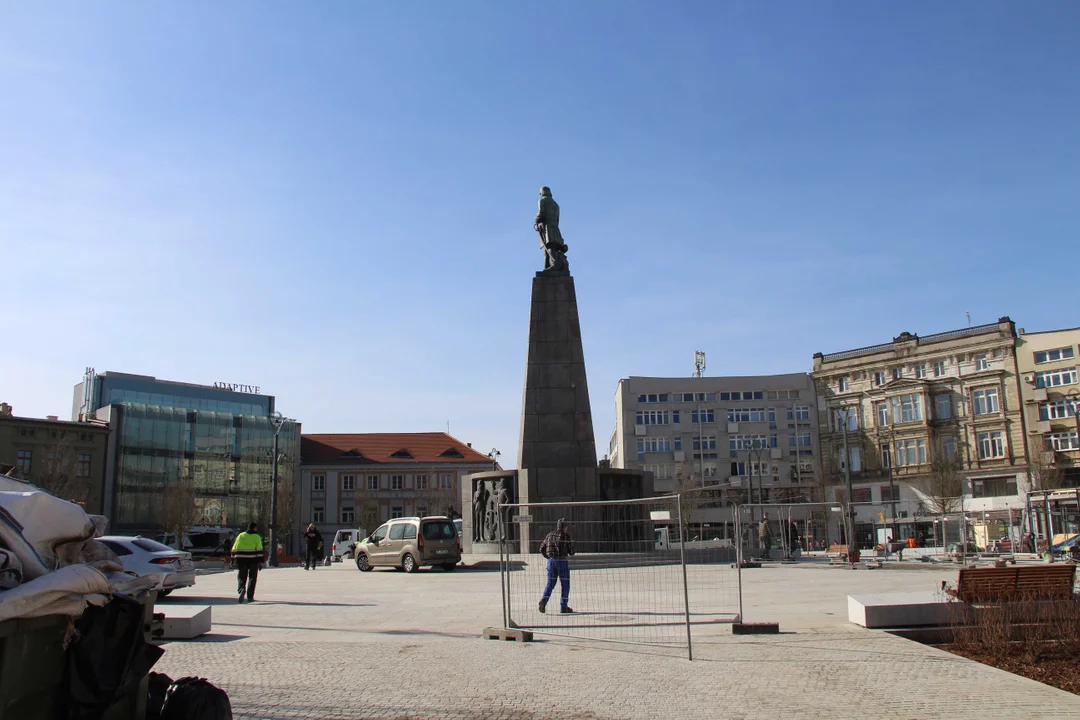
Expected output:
(889, 493)
(897, 373)
(886, 456)
(24, 461)
(318, 483)
(746, 442)
(396, 512)
(372, 482)
(948, 447)
(1063, 441)
(861, 495)
(993, 487)
(676, 443)
(910, 452)
(856, 459)
(800, 413)
(446, 481)
(879, 378)
(773, 441)
(117, 547)
(842, 384)
(694, 397)
(991, 445)
(1056, 410)
(1055, 378)
(705, 416)
(82, 466)
(906, 408)
(882, 414)
(800, 440)
(772, 416)
(746, 415)
(397, 482)
(1065, 353)
(348, 516)
(759, 468)
(421, 512)
(653, 398)
(920, 370)
(709, 442)
(652, 417)
(848, 416)
(660, 472)
(348, 483)
(986, 401)
(652, 445)
(397, 531)
(675, 417)
(410, 530)
(738, 468)
(318, 515)
(942, 407)
(939, 368)
(421, 482)
(981, 363)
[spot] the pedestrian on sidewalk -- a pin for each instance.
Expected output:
(764, 533)
(557, 547)
(314, 547)
(793, 536)
(247, 553)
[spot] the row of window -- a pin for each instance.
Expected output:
(708, 443)
(740, 395)
(24, 461)
(911, 452)
(1057, 410)
(371, 482)
(59, 434)
(116, 395)
(908, 408)
(1045, 356)
(1055, 378)
(348, 514)
(708, 415)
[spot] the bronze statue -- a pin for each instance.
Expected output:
(551, 239)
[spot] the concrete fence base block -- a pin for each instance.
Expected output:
(755, 629)
(493, 633)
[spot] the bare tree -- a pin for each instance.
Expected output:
(1046, 474)
(692, 497)
(942, 487)
(179, 511)
(59, 473)
(434, 499)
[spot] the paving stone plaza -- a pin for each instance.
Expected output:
(337, 643)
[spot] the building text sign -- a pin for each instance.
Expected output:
(237, 387)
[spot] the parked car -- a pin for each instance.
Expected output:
(144, 556)
(202, 541)
(344, 544)
(411, 543)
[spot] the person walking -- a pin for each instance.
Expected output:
(314, 547)
(793, 536)
(247, 553)
(557, 547)
(764, 533)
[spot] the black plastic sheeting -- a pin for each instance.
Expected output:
(108, 659)
(193, 698)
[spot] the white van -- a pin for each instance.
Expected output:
(344, 542)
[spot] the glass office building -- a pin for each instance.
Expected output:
(165, 434)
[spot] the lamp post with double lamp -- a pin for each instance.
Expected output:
(278, 421)
(494, 455)
(842, 415)
(755, 451)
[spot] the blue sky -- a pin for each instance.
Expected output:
(334, 200)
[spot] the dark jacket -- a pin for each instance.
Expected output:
(314, 539)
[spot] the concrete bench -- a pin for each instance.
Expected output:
(184, 622)
(900, 609)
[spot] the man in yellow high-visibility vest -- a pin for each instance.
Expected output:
(247, 553)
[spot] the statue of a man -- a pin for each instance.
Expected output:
(551, 239)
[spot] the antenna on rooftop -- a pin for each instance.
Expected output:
(968, 314)
(699, 362)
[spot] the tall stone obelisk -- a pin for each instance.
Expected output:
(556, 449)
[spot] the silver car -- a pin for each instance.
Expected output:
(143, 556)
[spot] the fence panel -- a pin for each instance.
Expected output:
(629, 581)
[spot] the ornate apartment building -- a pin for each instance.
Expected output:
(1048, 371)
(926, 418)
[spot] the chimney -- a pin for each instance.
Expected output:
(52, 417)
(5, 410)
(469, 444)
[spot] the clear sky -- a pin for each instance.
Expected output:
(334, 200)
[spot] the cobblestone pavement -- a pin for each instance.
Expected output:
(339, 644)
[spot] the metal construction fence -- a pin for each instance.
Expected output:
(628, 582)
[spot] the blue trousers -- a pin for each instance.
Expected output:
(558, 570)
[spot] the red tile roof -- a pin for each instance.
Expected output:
(369, 448)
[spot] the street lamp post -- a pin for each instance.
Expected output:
(849, 529)
(277, 420)
(494, 455)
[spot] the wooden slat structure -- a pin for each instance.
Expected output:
(1023, 582)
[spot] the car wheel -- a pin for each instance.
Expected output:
(408, 563)
(449, 567)
(362, 563)
(163, 593)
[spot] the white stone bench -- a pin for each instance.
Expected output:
(900, 609)
(184, 622)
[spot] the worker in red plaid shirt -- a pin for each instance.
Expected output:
(557, 547)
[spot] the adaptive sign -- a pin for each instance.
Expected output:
(237, 387)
